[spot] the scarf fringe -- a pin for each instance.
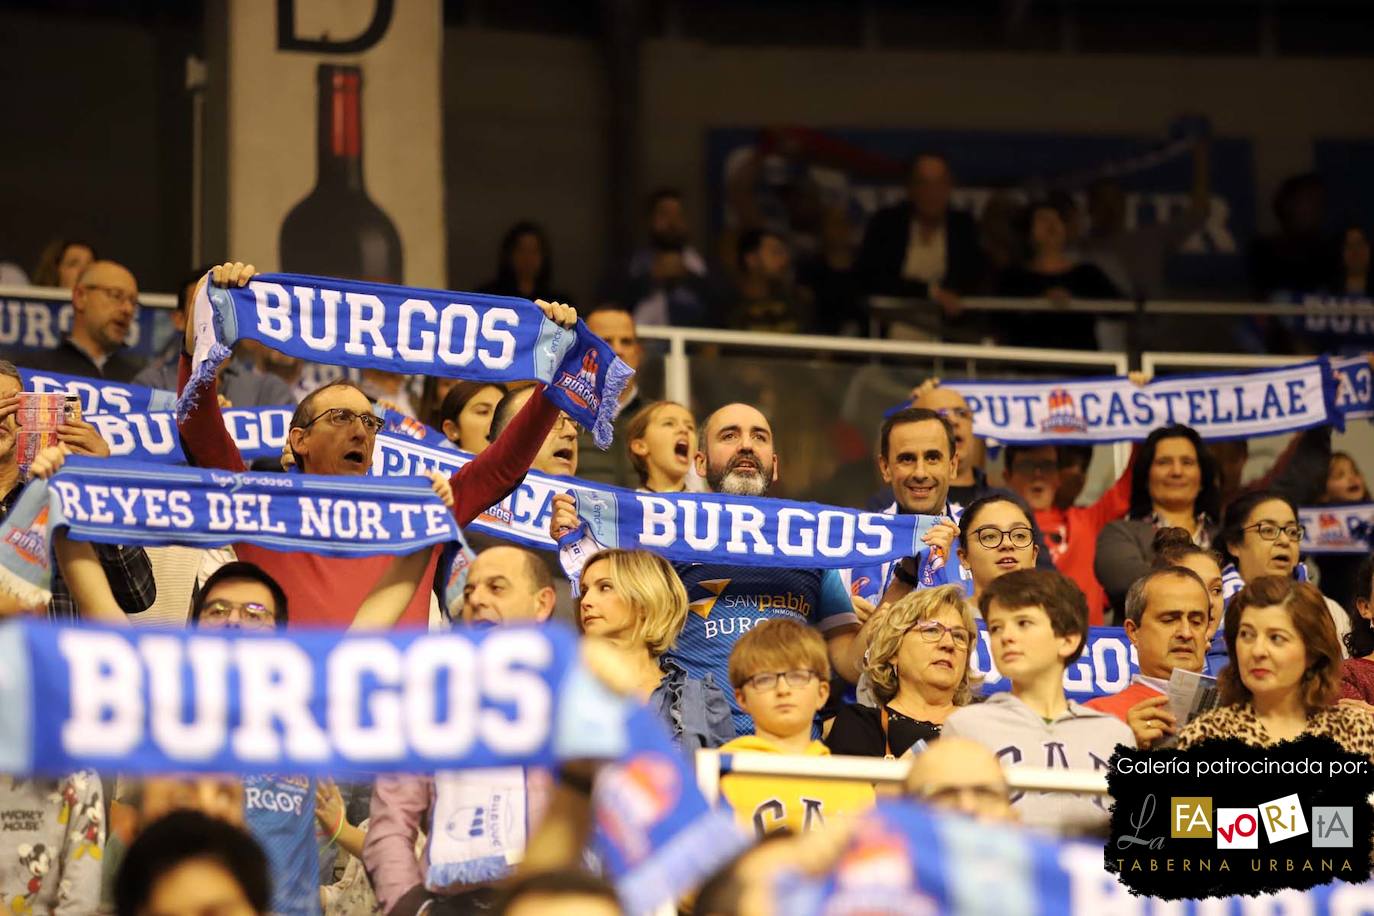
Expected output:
(618, 376)
(445, 875)
(201, 375)
(30, 595)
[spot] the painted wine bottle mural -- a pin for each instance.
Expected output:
(336, 230)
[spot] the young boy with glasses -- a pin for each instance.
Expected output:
(781, 675)
(1038, 625)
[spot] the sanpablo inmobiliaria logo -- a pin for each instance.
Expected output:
(1227, 818)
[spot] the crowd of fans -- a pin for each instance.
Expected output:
(1202, 569)
(813, 268)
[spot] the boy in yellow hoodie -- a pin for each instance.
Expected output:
(781, 675)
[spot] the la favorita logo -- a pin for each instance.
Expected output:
(1226, 818)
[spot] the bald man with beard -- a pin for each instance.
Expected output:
(736, 456)
(104, 308)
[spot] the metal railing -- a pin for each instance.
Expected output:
(711, 764)
(677, 374)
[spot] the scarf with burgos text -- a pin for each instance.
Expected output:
(411, 331)
(1219, 406)
(99, 395)
(259, 432)
(315, 702)
(113, 501)
(303, 701)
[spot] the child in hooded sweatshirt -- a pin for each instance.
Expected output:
(1038, 625)
(781, 675)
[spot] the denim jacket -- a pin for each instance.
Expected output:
(696, 711)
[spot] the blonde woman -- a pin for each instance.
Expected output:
(918, 665)
(634, 601)
(661, 439)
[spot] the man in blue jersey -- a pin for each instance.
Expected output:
(279, 811)
(736, 456)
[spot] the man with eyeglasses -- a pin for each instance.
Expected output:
(279, 811)
(104, 307)
(333, 431)
(1167, 613)
(505, 586)
(1032, 473)
(961, 775)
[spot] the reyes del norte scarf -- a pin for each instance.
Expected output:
(1218, 405)
(113, 501)
(412, 331)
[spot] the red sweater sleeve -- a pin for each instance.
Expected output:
(1116, 502)
(485, 481)
(204, 437)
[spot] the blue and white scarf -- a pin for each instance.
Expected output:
(685, 527)
(1231, 581)
(1219, 406)
(655, 833)
(113, 501)
(308, 701)
(914, 860)
(408, 331)
(1337, 529)
(99, 395)
(740, 530)
(40, 318)
(870, 581)
(1354, 387)
(1106, 667)
(259, 432)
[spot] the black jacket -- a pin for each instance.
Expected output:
(879, 265)
(69, 359)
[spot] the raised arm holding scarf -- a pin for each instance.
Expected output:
(329, 590)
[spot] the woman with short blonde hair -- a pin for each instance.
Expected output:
(634, 601)
(918, 665)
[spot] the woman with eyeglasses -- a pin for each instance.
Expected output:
(1260, 536)
(1173, 485)
(918, 667)
(995, 538)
